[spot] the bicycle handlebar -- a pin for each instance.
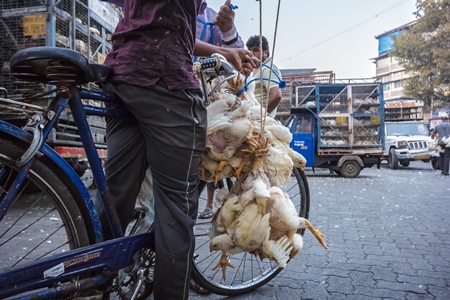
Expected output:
(217, 64)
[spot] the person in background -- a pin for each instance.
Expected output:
(217, 28)
(267, 91)
(442, 130)
(151, 57)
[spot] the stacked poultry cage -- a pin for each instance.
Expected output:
(82, 25)
(349, 116)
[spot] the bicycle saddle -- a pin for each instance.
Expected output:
(58, 66)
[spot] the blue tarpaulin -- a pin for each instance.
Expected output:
(386, 43)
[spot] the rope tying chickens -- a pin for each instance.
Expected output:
(281, 83)
(255, 216)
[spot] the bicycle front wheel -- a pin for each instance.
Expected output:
(43, 219)
(250, 272)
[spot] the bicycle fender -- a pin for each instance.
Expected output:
(18, 133)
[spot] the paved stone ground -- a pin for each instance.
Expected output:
(387, 233)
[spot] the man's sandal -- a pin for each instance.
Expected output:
(206, 214)
(194, 285)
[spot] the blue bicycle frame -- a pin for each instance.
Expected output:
(111, 255)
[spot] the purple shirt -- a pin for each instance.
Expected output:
(206, 17)
(155, 40)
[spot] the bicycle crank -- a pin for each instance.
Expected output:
(136, 281)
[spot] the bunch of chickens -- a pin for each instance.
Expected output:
(255, 216)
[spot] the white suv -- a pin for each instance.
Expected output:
(405, 142)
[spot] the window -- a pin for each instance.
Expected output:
(289, 122)
(304, 125)
(398, 84)
(398, 75)
(386, 87)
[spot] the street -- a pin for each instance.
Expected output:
(387, 236)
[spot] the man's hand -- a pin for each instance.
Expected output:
(242, 59)
(225, 17)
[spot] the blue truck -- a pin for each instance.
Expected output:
(338, 126)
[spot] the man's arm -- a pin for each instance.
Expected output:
(274, 98)
(225, 28)
(433, 133)
(274, 92)
(230, 39)
(242, 59)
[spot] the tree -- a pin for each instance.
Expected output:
(424, 52)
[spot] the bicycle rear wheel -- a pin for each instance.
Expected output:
(250, 272)
(44, 218)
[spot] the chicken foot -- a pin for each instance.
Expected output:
(257, 145)
(238, 171)
(235, 85)
(316, 233)
(219, 169)
(223, 264)
(202, 166)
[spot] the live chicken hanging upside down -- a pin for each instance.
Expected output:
(255, 216)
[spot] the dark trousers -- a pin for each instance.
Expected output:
(168, 135)
(444, 159)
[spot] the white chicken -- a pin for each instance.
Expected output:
(256, 216)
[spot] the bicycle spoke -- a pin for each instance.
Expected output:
(18, 219)
(40, 244)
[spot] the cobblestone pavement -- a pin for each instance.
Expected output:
(387, 233)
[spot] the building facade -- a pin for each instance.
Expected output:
(393, 77)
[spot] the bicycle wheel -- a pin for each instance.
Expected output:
(44, 219)
(250, 272)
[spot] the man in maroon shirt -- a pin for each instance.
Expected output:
(152, 52)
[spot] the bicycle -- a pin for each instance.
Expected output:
(51, 241)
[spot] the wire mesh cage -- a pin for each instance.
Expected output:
(82, 25)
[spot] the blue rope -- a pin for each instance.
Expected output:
(205, 26)
(211, 28)
(281, 83)
(202, 34)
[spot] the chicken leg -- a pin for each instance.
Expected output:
(223, 264)
(238, 171)
(219, 169)
(316, 233)
(202, 166)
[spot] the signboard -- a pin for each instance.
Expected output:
(341, 120)
(375, 120)
(403, 103)
(33, 25)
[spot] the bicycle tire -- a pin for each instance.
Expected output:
(298, 190)
(45, 217)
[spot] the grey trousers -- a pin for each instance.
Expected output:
(444, 159)
(168, 135)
